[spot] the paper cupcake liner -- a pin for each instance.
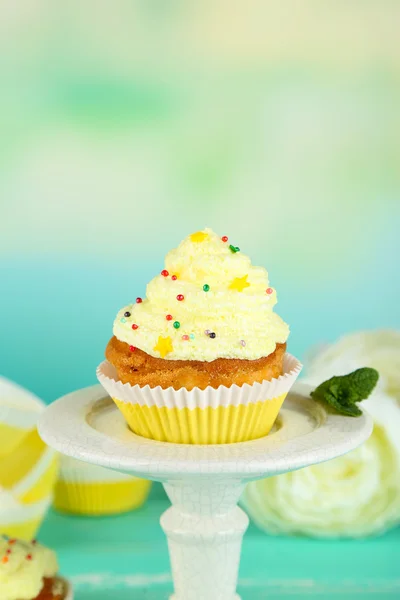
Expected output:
(210, 416)
(23, 522)
(91, 490)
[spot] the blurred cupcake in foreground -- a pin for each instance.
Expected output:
(28, 571)
(28, 468)
(21, 520)
(202, 358)
(86, 489)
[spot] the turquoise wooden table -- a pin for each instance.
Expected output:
(126, 557)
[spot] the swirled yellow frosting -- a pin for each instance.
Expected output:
(209, 302)
(23, 566)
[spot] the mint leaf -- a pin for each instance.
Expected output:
(343, 392)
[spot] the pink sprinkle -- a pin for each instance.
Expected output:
(269, 290)
(185, 337)
(242, 343)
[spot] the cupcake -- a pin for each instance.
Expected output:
(28, 468)
(202, 359)
(28, 571)
(18, 519)
(85, 489)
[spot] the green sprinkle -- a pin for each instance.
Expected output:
(123, 320)
(206, 287)
(191, 336)
(177, 324)
(234, 249)
(342, 392)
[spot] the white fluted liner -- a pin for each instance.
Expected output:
(210, 397)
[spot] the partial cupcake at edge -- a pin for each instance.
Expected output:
(202, 359)
(28, 571)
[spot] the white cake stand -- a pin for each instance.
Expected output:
(204, 525)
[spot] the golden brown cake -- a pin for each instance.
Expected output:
(54, 588)
(139, 368)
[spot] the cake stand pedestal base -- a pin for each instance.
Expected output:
(204, 525)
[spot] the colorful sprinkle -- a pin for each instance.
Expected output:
(206, 287)
(164, 346)
(12, 541)
(177, 324)
(269, 290)
(8, 551)
(4, 560)
(132, 348)
(164, 273)
(180, 297)
(169, 317)
(212, 335)
(134, 326)
(239, 283)
(139, 300)
(185, 337)
(224, 238)
(127, 314)
(199, 236)
(123, 320)
(34, 542)
(234, 249)
(207, 331)
(192, 336)
(174, 277)
(29, 557)
(242, 343)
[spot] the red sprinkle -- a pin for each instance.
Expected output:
(134, 326)
(29, 557)
(174, 277)
(8, 551)
(185, 337)
(269, 290)
(224, 238)
(11, 542)
(164, 273)
(132, 348)
(138, 300)
(180, 297)
(169, 317)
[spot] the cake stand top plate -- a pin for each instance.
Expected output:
(88, 426)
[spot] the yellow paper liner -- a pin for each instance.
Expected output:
(94, 499)
(210, 416)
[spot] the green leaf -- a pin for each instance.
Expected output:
(343, 392)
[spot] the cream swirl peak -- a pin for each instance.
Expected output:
(209, 302)
(23, 566)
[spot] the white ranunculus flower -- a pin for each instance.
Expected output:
(357, 494)
(379, 349)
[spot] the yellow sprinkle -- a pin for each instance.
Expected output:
(199, 236)
(239, 283)
(163, 346)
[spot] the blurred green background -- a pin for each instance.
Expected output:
(124, 126)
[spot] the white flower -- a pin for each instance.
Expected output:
(357, 494)
(379, 349)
